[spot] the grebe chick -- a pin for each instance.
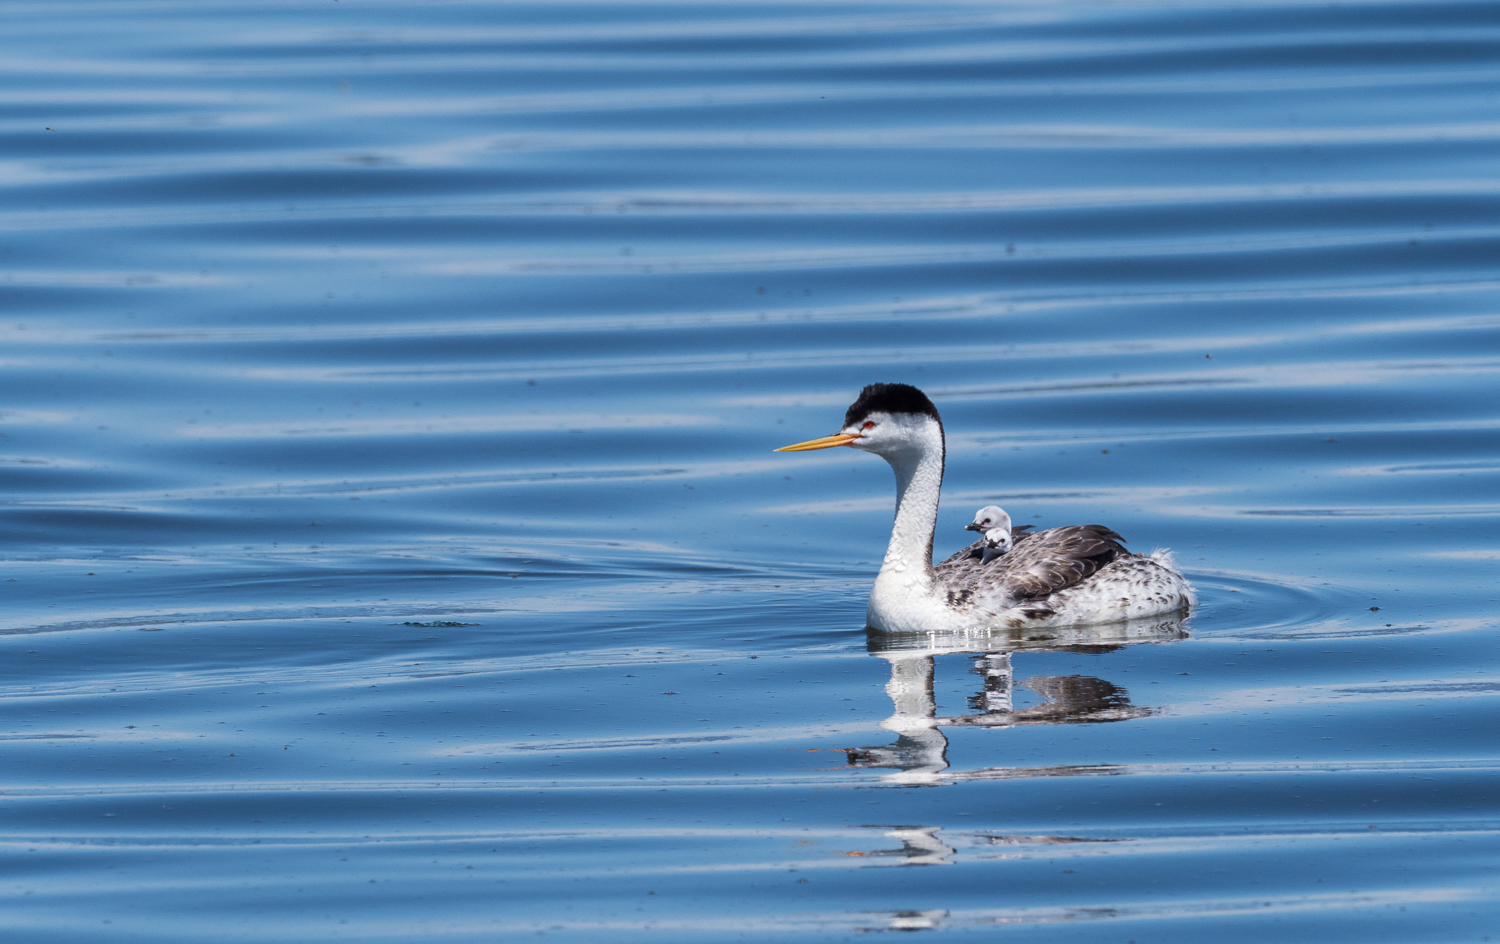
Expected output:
(994, 524)
(998, 534)
(996, 542)
(990, 516)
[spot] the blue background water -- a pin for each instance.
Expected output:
(393, 549)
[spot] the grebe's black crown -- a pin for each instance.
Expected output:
(889, 398)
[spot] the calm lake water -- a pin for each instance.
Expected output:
(392, 547)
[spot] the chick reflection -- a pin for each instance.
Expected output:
(919, 756)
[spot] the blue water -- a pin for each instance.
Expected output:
(393, 549)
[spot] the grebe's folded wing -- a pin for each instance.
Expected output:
(1048, 561)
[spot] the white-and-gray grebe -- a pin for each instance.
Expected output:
(1060, 576)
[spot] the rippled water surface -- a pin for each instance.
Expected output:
(393, 549)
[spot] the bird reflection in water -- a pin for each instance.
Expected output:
(920, 845)
(919, 756)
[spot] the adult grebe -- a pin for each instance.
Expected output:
(1078, 574)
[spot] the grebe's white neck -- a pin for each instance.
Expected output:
(904, 587)
(919, 481)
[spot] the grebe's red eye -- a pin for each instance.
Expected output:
(868, 425)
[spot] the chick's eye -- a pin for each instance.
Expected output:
(868, 425)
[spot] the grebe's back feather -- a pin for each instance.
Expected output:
(1041, 562)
